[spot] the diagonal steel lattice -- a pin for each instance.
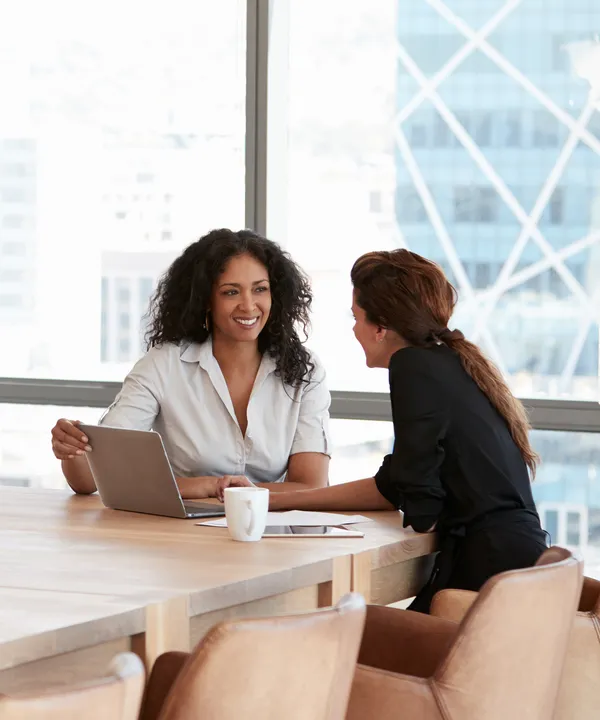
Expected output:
(484, 302)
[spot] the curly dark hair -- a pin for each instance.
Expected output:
(178, 307)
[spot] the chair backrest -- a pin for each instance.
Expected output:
(510, 648)
(579, 696)
(294, 667)
(115, 697)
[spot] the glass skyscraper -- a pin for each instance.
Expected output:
(498, 176)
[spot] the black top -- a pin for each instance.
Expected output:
(454, 460)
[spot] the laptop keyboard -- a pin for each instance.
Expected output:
(202, 506)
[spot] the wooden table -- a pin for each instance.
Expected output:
(79, 582)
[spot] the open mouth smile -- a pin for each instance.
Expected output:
(247, 322)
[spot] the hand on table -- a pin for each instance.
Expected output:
(230, 481)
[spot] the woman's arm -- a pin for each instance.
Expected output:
(306, 471)
(410, 478)
(79, 476)
(358, 495)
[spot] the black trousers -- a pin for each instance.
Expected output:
(469, 556)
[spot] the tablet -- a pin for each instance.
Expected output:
(327, 531)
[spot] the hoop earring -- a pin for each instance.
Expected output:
(206, 324)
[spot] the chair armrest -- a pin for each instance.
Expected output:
(403, 641)
(452, 604)
(164, 673)
(590, 596)
(388, 696)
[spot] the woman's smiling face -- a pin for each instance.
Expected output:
(241, 299)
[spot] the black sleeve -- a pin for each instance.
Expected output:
(410, 477)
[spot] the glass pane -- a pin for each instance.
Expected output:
(122, 141)
(358, 448)
(507, 149)
(549, 520)
(574, 529)
(567, 491)
(26, 458)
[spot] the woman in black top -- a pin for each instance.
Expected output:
(462, 461)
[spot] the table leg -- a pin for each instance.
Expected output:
(340, 584)
(167, 628)
(362, 569)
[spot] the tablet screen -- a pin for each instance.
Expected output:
(310, 531)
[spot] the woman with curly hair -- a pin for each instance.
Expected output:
(226, 381)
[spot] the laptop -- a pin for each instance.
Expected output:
(132, 472)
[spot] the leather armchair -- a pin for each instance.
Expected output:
(114, 697)
(579, 695)
(504, 660)
(286, 668)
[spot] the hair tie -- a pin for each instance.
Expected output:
(450, 335)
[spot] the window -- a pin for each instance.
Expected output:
(549, 520)
(13, 276)
(123, 291)
(409, 206)
(419, 133)
(13, 195)
(14, 170)
(430, 52)
(26, 458)
(442, 135)
(124, 349)
(482, 275)
(13, 221)
(106, 126)
(14, 248)
(594, 124)
(344, 78)
(546, 130)
(104, 311)
(475, 205)
(11, 301)
(375, 204)
(511, 129)
(574, 528)
(18, 144)
(556, 207)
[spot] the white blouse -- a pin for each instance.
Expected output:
(180, 391)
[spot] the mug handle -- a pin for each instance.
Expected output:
(252, 523)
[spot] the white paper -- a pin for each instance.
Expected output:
(299, 517)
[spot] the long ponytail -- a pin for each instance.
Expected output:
(491, 383)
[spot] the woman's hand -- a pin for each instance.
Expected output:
(68, 441)
(230, 481)
(197, 488)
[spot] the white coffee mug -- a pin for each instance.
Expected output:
(246, 512)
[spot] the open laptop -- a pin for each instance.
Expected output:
(132, 472)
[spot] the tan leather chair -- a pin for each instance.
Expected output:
(579, 695)
(503, 661)
(297, 667)
(115, 697)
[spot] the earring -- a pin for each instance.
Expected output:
(205, 325)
